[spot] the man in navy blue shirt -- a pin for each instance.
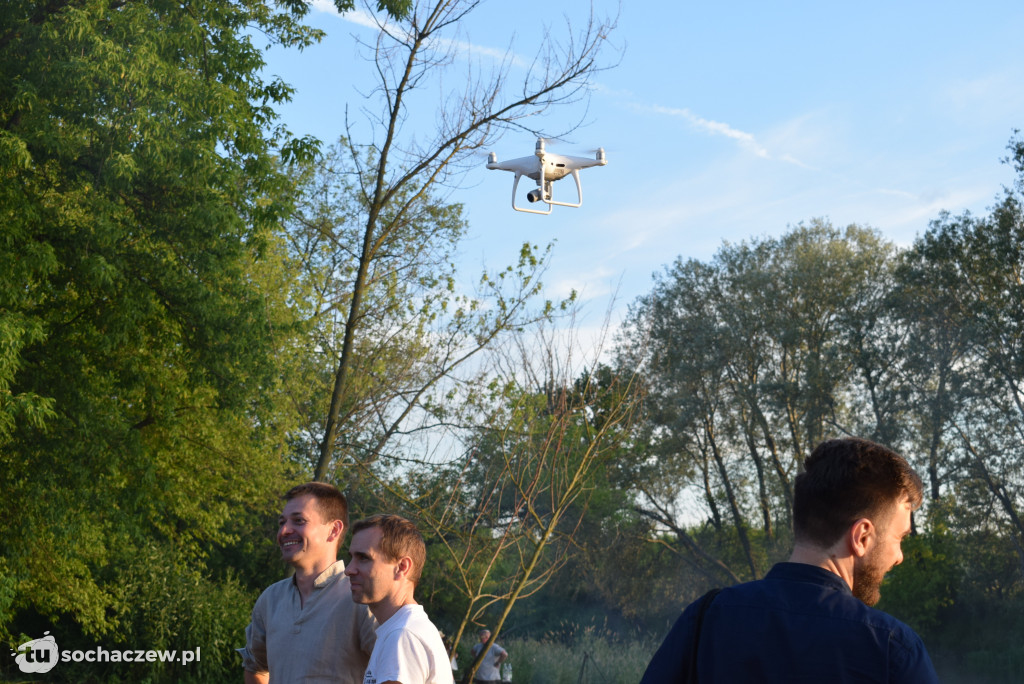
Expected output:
(811, 620)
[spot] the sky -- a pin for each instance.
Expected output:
(721, 122)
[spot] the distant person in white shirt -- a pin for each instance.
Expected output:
(387, 557)
(495, 656)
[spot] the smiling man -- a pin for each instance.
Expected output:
(307, 628)
(388, 554)
(811, 619)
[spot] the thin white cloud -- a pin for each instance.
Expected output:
(990, 97)
(589, 283)
(359, 18)
(897, 193)
(718, 128)
(745, 139)
(460, 47)
(355, 16)
(472, 49)
(790, 159)
(920, 209)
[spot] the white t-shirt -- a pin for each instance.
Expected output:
(409, 650)
(488, 670)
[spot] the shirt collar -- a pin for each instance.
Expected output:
(802, 572)
(332, 574)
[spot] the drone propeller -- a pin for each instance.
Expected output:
(560, 142)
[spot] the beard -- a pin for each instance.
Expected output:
(867, 579)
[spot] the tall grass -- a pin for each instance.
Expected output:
(593, 656)
(580, 656)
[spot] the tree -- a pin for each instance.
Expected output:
(503, 519)
(984, 295)
(417, 331)
(747, 361)
(937, 360)
(397, 171)
(144, 320)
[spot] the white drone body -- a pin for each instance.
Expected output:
(545, 168)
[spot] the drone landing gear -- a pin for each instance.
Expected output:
(543, 193)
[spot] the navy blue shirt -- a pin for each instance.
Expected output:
(801, 623)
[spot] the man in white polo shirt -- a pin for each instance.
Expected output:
(388, 553)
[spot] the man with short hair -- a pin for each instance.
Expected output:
(388, 554)
(488, 672)
(307, 628)
(811, 620)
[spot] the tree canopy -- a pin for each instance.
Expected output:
(141, 299)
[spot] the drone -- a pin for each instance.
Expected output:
(545, 168)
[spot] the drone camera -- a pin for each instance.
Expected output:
(534, 195)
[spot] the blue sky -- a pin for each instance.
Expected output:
(724, 121)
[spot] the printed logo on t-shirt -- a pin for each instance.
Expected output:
(369, 677)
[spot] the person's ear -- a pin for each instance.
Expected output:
(337, 532)
(861, 537)
(404, 567)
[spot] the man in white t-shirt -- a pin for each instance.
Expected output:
(488, 673)
(387, 557)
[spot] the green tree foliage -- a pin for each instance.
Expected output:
(927, 583)
(533, 473)
(748, 364)
(418, 337)
(963, 306)
(141, 306)
(935, 363)
(502, 520)
(408, 292)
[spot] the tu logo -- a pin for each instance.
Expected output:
(39, 655)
